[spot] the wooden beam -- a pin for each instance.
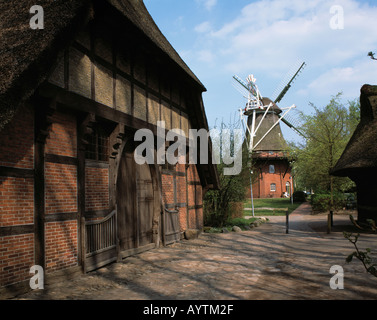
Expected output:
(54, 158)
(84, 127)
(39, 196)
(16, 230)
(65, 216)
(16, 172)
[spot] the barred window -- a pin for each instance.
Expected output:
(98, 145)
(273, 187)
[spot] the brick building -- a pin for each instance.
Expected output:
(271, 168)
(72, 95)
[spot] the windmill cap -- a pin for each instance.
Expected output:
(274, 108)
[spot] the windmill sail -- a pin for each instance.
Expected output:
(243, 84)
(288, 85)
(292, 123)
(263, 110)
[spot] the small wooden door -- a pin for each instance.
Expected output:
(171, 226)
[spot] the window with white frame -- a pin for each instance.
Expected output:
(273, 187)
(271, 168)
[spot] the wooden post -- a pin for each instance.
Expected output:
(286, 222)
(84, 128)
(329, 222)
(39, 204)
(44, 111)
(332, 218)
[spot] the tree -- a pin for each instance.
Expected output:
(232, 187)
(327, 133)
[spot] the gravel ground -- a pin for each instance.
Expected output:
(264, 263)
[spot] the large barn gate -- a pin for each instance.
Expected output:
(138, 222)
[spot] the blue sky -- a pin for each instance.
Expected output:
(268, 38)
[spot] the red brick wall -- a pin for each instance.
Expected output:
(181, 199)
(62, 138)
(96, 188)
(61, 245)
(16, 258)
(17, 197)
(183, 219)
(262, 187)
(199, 202)
(16, 201)
(61, 194)
(60, 188)
(167, 188)
(194, 198)
(188, 192)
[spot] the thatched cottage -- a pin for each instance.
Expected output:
(72, 96)
(359, 159)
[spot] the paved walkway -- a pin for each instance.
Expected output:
(264, 263)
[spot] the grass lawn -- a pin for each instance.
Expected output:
(239, 222)
(278, 203)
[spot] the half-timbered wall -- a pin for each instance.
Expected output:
(194, 199)
(48, 188)
(123, 79)
(117, 76)
(17, 197)
(182, 193)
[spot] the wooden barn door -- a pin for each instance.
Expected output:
(137, 205)
(145, 204)
(126, 204)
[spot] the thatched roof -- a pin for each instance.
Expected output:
(27, 56)
(137, 13)
(25, 53)
(361, 151)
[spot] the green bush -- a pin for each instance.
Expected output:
(299, 196)
(322, 201)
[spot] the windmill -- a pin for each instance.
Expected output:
(265, 140)
(256, 104)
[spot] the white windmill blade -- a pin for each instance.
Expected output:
(250, 86)
(281, 117)
(288, 80)
(241, 82)
(241, 90)
(293, 121)
(285, 79)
